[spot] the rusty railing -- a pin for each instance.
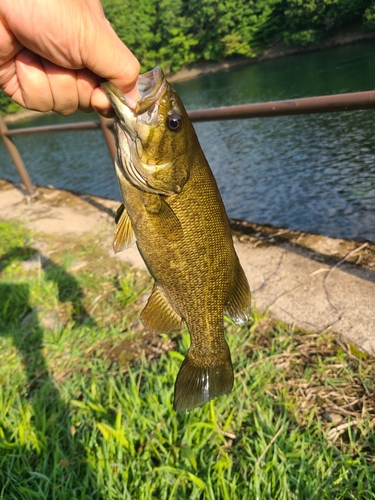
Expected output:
(307, 105)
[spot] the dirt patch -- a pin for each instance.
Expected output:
(335, 393)
(55, 211)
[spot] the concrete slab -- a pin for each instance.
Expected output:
(311, 295)
(310, 286)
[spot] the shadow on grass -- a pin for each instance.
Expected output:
(40, 457)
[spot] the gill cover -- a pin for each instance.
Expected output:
(150, 135)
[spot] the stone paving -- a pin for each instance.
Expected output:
(314, 286)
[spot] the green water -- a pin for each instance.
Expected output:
(312, 173)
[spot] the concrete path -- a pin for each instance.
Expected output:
(308, 281)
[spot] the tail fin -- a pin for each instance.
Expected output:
(198, 383)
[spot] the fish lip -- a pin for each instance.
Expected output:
(114, 95)
(151, 86)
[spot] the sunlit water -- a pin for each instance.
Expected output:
(312, 173)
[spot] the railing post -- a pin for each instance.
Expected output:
(108, 136)
(16, 157)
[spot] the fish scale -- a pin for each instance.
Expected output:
(174, 211)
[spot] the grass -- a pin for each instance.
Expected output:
(86, 395)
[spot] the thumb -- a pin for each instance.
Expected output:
(107, 56)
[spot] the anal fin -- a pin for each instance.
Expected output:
(239, 302)
(198, 383)
(159, 316)
(124, 236)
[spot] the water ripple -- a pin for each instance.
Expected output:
(311, 173)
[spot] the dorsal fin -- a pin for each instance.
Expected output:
(124, 236)
(239, 301)
(159, 316)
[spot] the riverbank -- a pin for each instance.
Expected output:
(341, 36)
(308, 281)
(22, 115)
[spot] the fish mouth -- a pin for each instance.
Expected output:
(131, 118)
(151, 86)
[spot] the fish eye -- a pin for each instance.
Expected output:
(174, 123)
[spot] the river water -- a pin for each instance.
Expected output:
(312, 173)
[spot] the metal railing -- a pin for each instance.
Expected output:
(306, 105)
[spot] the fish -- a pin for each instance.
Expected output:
(173, 210)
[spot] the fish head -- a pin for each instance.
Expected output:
(153, 135)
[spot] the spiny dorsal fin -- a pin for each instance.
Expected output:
(124, 235)
(239, 302)
(198, 383)
(159, 316)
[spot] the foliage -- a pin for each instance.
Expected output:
(5, 102)
(173, 33)
(78, 420)
(369, 16)
(306, 21)
(135, 25)
(229, 28)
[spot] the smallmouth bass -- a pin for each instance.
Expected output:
(172, 208)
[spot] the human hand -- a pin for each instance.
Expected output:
(53, 54)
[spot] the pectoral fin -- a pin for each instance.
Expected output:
(159, 316)
(172, 225)
(167, 220)
(124, 236)
(239, 302)
(119, 212)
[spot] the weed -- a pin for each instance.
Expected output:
(86, 401)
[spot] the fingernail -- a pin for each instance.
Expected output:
(26, 56)
(133, 94)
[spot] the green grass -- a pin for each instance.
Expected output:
(86, 396)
